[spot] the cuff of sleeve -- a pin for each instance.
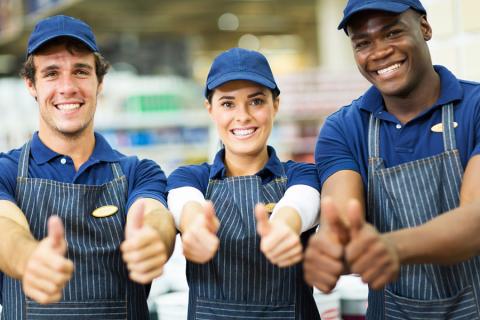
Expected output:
(177, 198)
(305, 200)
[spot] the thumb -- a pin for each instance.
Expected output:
(355, 217)
(263, 224)
(135, 220)
(210, 217)
(331, 220)
(56, 233)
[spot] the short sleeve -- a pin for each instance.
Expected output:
(299, 173)
(8, 176)
(195, 176)
(149, 181)
(332, 152)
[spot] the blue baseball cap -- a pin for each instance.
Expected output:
(394, 6)
(240, 64)
(61, 26)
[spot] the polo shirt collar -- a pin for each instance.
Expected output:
(450, 91)
(102, 151)
(272, 167)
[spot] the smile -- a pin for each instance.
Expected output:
(68, 106)
(243, 132)
(389, 69)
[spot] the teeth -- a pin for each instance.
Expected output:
(389, 69)
(242, 132)
(69, 106)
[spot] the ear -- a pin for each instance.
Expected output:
(276, 104)
(31, 87)
(208, 106)
(426, 28)
(100, 88)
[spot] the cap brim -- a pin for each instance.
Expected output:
(249, 76)
(388, 7)
(63, 34)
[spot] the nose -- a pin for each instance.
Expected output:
(242, 114)
(381, 50)
(67, 85)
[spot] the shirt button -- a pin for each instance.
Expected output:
(63, 161)
(398, 126)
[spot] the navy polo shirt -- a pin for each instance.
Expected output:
(197, 176)
(343, 140)
(145, 178)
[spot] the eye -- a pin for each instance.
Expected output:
(82, 72)
(257, 102)
(50, 74)
(393, 33)
(361, 45)
(227, 104)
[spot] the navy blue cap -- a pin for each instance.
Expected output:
(394, 6)
(240, 64)
(61, 26)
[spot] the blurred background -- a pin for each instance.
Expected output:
(161, 50)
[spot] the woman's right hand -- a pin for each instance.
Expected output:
(199, 237)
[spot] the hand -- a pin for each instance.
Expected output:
(280, 244)
(47, 270)
(369, 253)
(143, 250)
(200, 241)
(324, 263)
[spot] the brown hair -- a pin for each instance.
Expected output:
(72, 45)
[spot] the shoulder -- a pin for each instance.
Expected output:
(9, 161)
(301, 173)
(196, 176)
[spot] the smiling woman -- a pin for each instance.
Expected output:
(244, 184)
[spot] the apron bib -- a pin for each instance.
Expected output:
(99, 287)
(409, 195)
(239, 282)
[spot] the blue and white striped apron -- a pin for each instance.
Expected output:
(239, 282)
(409, 195)
(99, 288)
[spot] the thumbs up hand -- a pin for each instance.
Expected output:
(325, 251)
(143, 250)
(47, 270)
(199, 239)
(278, 241)
(369, 253)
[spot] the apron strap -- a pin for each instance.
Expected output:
(373, 137)
(23, 161)
(117, 170)
(449, 141)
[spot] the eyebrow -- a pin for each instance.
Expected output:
(249, 96)
(388, 26)
(76, 66)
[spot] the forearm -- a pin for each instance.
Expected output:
(190, 211)
(290, 217)
(160, 219)
(450, 238)
(16, 247)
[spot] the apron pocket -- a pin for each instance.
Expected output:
(462, 306)
(71, 310)
(222, 309)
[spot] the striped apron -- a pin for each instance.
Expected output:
(99, 287)
(239, 282)
(409, 195)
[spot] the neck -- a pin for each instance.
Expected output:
(78, 147)
(423, 96)
(245, 165)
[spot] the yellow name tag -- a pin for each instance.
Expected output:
(105, 211)
(439, 127)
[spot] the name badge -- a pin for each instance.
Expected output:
(105, 211)
(439, 127)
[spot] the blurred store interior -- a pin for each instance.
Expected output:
(152, 104)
